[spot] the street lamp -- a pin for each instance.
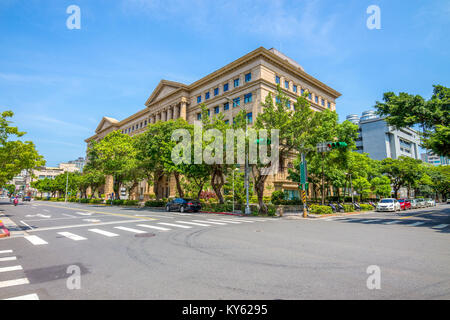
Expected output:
(246, 176)
(235, 169)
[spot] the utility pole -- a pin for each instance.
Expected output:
(323, 180)
(303, 182)
(67, 185)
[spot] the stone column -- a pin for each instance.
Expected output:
(158, 116)
(164, 115)
(170, 113)
(183, 110)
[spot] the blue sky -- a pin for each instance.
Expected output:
(60, 82)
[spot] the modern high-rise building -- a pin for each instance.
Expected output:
(79, 163)
(431, 158)
(241, 85)
(382, 141)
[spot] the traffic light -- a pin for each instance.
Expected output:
(337, 145)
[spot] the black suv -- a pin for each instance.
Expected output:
(183, 205)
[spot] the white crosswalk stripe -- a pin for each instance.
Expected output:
(368, 221)
(84, 213)
(6, 251)
(235, 222)
(392, 222)
(16, 282)
(32, 296)
(131, 230)
(72, 236)
(174, 225)
(236, 219)
(194, 223)
(35, 240)
(8, 259)
(104, 233)
(13, 268)
(441, 226)
(210, 222)
(415, 224)
(153, 227)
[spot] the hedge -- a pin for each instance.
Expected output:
(155, 203)
(318, 209)
(366, 207)
(349, 208)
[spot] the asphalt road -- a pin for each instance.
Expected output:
(124, 253)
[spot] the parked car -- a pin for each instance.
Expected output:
(430, 202)
(27, 198)
(405, 204)
(422, 203)
(448, 201)
(183, 205)
(388, 204)
(414, 204)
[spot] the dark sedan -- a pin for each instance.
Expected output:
(183, 205)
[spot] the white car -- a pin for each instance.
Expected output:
(430, 202)
(388, 204)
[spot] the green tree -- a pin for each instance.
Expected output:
(381, 186)
(433, 115)
(362, 187)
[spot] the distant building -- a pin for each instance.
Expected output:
(431, 158)
(79, 163)
(382, 141)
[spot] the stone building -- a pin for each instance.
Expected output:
(240, 85)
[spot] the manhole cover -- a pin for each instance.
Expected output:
(144, 235)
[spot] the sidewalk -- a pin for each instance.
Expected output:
(324, 216)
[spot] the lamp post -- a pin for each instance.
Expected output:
(67, 185)
(235, 169)
(246, 176)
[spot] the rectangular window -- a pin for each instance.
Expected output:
(302, 91)
(248, 98)
(249, 117)
(216, 110)
(225, 87)
(199, 99)
(286, 84)
(294, 88)
(209, 112)
(236, 82)
(316, 99)
(236, 102)
(145, 122)
(207, 96)
(216, 91)
(277, 79)
(329, 105)
(248, 77)
(199, 116)
(322, 102)
(309, 96)
(288, 104)
(226, 106)
(277, 100)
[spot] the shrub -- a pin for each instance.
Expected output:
(277, 197)
(366, 207)
(349, 208)
(84, 200)
(271, 210)
(131, 202)
(95, 201)
(155, 203)
(318, 209)
(117, 202)
(266, 199)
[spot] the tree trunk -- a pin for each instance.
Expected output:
(178, 183)
(217, 183)
(259, 181)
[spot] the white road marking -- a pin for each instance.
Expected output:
(86, 225)
(37, 215)
(46, 210)
(441, 226)
(238, 220)
(153, 227)
(91, 220)
(68, 215)
(174, 225)
(35, 240)
(392, 222)
(194, 223)
(13, 268)
(6, 251)
(31, 228)
(32, 296)
(16, 282)
(415, 224)
(131, 230)
(8, 259)
(368, 221)
(222, 221)
(103, 232)
(72, 236)
(84, 213)
(210, 222)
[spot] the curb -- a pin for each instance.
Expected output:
(226, 213)
(3, 231)
(323, 216)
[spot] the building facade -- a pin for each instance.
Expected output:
(241, 85)
(382, 141)
(431, 158)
